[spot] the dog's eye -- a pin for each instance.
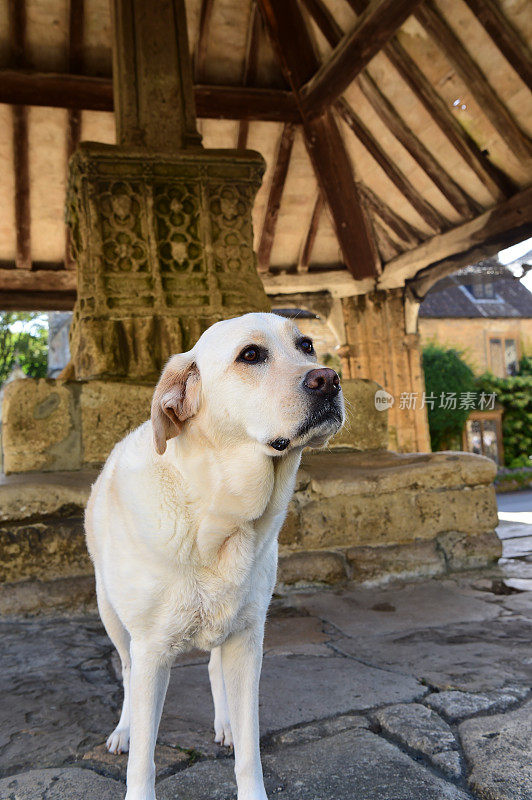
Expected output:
(306, 346)
(253, 354)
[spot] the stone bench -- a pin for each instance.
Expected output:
(364, 516)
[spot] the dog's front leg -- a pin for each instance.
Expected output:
(241, 663)
(150, 672)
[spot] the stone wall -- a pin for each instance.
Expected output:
(354, 516)
(69, 425)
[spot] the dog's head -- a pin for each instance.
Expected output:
(253, 377)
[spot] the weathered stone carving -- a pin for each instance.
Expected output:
(163, 244)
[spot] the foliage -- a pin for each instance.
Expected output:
(25, 343)
(514, 394)
(525, 366)
(445, 372)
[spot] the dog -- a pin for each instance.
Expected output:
(182, 526)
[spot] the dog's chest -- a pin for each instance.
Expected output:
(223, 599)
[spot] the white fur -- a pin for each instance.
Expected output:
(183, 533)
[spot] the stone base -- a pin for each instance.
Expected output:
(367, 517)
(51, 425)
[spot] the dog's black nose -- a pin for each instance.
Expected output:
(323, 381)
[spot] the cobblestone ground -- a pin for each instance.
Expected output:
(409, 692)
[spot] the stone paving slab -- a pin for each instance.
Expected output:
(396, 609)
(472, 657)
(60, 784)
(353, 764)
(335, 663)
(285, 699)
(499, 751)
(422, 730)
(456, 706)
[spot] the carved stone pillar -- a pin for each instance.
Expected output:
(380, 348)
(161, 228)
(164, 248)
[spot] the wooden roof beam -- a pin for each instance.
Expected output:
(280, 172)
(19, 116)
(475, 80)
(375, 26)
(291, 40)
(461, 201)
(203, 38)
(426, 211)
(499, 227)
(504, 36)
(498, 184)
(312, 232)
(75, 65)
(403, 230)
(61, 90)
(250, 68)
(22, 187)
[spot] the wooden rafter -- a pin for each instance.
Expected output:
(497, 183)
(282, 161)
(75, 65)
(332, 31)
(203, 38)
(19, 115)
(473, 77)
(60, 90)
(16, 10)
(250, 68)
(388, 247)
(404, 230)
(22, 187)
(504, 36)
(501, 226)
(325, 21)
(374, 28)
(291, 40)
(426, 211)
(312, 232)
(457, 197)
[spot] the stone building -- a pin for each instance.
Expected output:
(221, 156)
(487, 317)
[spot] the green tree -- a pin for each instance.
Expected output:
(25, 342)
(446, 372)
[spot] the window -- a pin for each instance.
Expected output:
(496, 358)
(481, 291)
(503, 357)
(510, 357)
(483, 435)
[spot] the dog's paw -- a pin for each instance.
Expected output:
(222, 733)
(118, 742)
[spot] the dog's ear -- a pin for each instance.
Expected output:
(176, 399)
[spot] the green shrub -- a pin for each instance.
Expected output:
(514, 394)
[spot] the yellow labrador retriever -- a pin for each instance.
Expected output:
(182, 527)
